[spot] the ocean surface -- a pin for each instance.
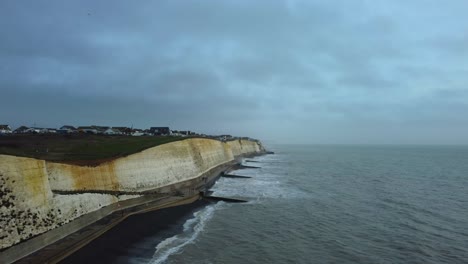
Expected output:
(323, 204)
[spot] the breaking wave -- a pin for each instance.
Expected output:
(192, 228)
(268, 182)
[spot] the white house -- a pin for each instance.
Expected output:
(36, 130)
(111, 131)
(67, 130)
(5, 129)
(175, 133)
(137, 132)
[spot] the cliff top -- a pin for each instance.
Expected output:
(80, 149)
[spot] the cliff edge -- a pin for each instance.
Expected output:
(38, 195)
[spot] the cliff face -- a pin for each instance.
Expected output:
(32, 192)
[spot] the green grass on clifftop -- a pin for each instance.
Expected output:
(77, 148)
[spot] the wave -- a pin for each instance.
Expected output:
(268, 182)
(192, 228)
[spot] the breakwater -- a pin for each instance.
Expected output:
(38, 196)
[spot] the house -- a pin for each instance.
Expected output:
(5, 129)
(186, 133)
(21, 130)
(68, 127)
(112, 131)
(176, 133)
(101, 129)
(67, 130)
(51, 130)
(160, 131)
(138, 132)
(87, 130)
(225, 137)
(123, 130)
(36, 130)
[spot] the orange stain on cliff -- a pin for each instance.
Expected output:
(100, 178)
(35, 179)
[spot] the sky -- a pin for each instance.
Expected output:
(302, 72)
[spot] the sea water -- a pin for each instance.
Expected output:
(334, 204)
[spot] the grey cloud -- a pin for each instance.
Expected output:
(238, 66)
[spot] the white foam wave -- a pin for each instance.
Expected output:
(192, 229)
(269, 182)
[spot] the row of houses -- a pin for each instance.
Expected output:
(6, 129)
(107, 130)
(102, 130)
(97, 130)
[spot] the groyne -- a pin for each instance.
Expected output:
(43, 202)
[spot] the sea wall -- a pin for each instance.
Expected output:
(38, 195)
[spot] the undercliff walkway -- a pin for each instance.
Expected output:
(59, 250)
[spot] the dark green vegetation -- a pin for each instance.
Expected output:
(80, 147)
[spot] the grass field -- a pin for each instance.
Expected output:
(78, 148)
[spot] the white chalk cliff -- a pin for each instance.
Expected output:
(37, 195)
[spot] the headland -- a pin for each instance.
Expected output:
(45, 201)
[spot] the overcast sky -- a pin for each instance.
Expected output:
(392, 72)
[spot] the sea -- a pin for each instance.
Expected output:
(322, 204)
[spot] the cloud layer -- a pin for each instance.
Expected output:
(285, 71)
